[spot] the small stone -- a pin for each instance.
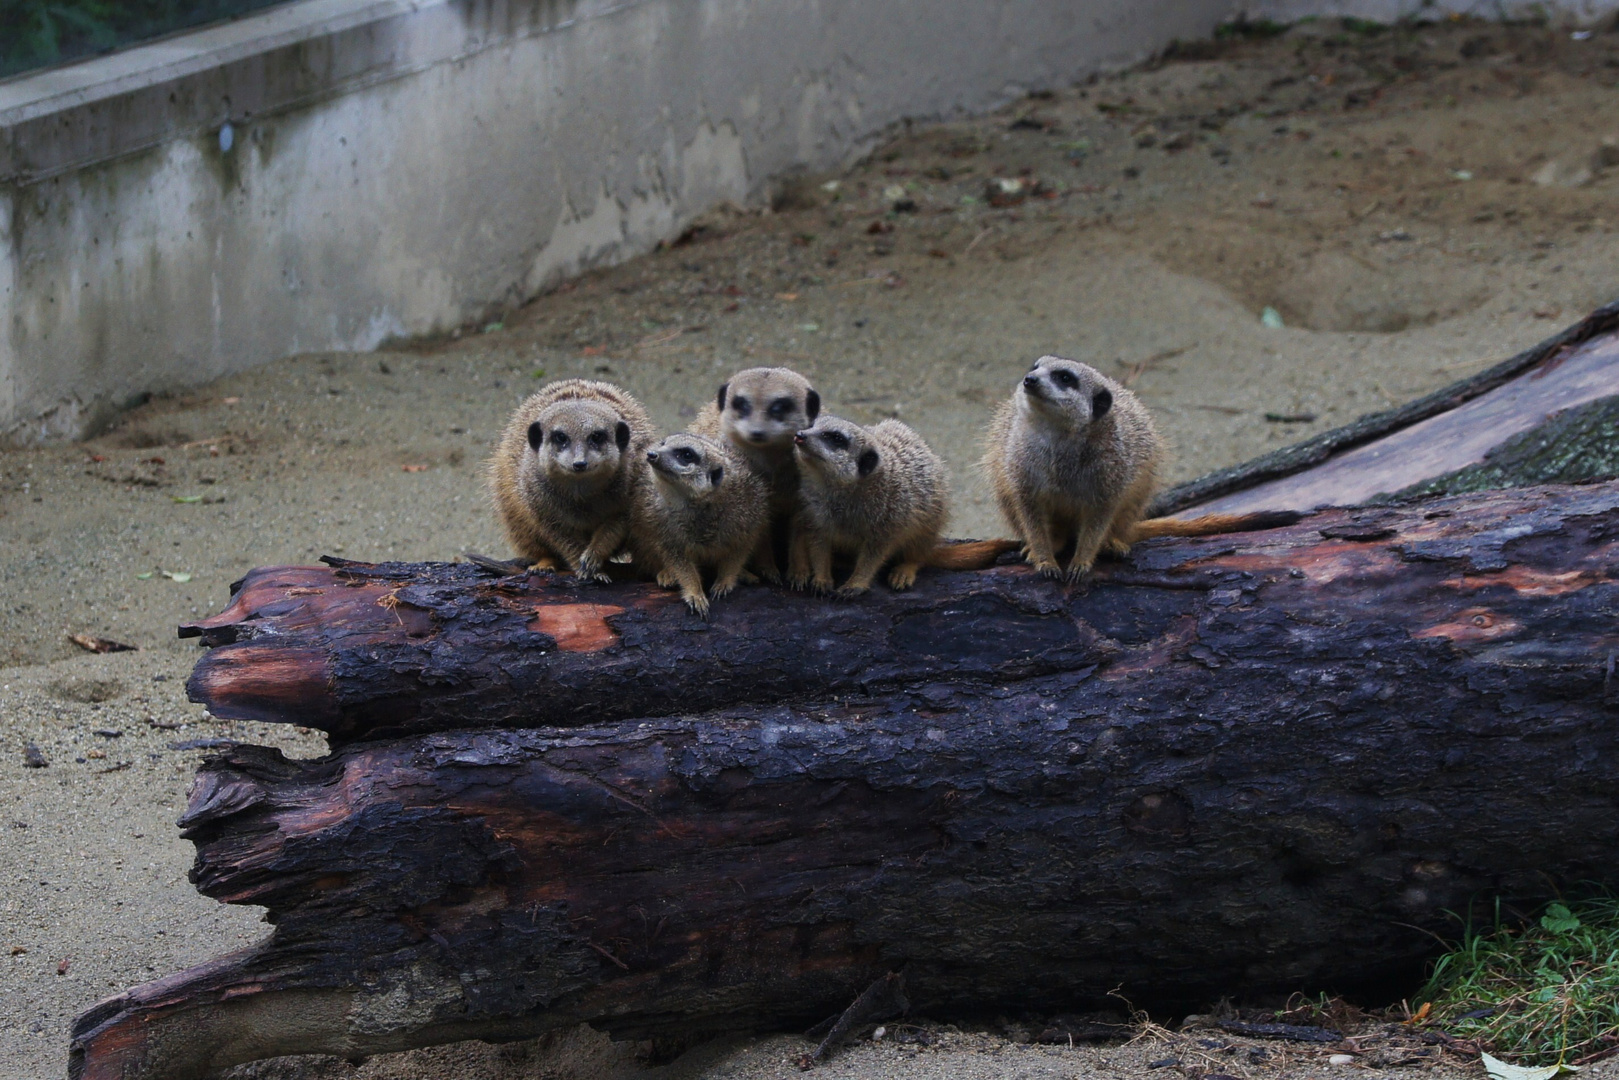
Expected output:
(1562, 174)
(32, 758)
(1341, 1059)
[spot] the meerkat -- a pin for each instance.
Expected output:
(566, 473)
(700, 509)
(1074, 459)
(755, 416)
(875, 493)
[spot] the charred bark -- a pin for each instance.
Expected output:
(1230, 764)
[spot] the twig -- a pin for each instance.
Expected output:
(882, 999)
(609, 955)
(977, 238)
(1140, 367)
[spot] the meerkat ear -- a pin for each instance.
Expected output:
(536, 435)
(812, 405)
(720, 401)
(623, 435)
(867, 463)
(715, 475)
(1101, 402)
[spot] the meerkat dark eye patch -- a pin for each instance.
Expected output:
(837, 440)
(1066, 379)
(622, 434)
(598, 439)
(715, 475)
(812, 405)
(559, 439)
(741, 406)
(686, 456)
(867, 462)
(781, 408)
(1101, 402)
(720, 401)
(536, 435)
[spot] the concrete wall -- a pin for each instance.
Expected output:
(398, 167)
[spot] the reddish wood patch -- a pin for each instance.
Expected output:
(577, 627)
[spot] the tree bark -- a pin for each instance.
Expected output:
(1230, 764)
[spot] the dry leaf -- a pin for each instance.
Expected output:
(95, 644)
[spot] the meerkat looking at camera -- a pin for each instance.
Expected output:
(701, 509)
(566, 473)
(755, 416)
(875, 493)
(1073, 458)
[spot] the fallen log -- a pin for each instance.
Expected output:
(1488, 419)
(1229, 764)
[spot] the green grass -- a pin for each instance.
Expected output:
(1539, 993)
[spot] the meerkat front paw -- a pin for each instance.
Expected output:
(668, 580)
(1077, 573)
(1118, 548)
(721, 588)
(902, 576)
(1049, 569)
(698, 604)
(591, 569)
(748, 577)
(849, 592)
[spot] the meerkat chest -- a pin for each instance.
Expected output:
(1069, 471)
(849, 513)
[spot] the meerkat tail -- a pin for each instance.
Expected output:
(969, 554)
(1214, 524)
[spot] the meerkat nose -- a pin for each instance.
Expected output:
(799, 439)
(1031, 382)
(580, 466)
(652, 455)
(757, 436)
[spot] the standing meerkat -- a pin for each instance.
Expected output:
(700, 509)
(875, 493)
(755, 416)
(1073, 457)
(566, 472)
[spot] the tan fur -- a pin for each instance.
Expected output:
(893, 505)
(699, 509)
(1214, 524)
(755, 416)
(556, 517)
(1073, 458)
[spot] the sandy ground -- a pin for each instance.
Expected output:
(1415, 205)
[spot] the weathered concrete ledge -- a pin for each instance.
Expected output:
(332, 173)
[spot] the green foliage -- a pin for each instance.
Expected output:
(1542, 993)
(1250, 28)
(35, 33)
(1363, 27)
